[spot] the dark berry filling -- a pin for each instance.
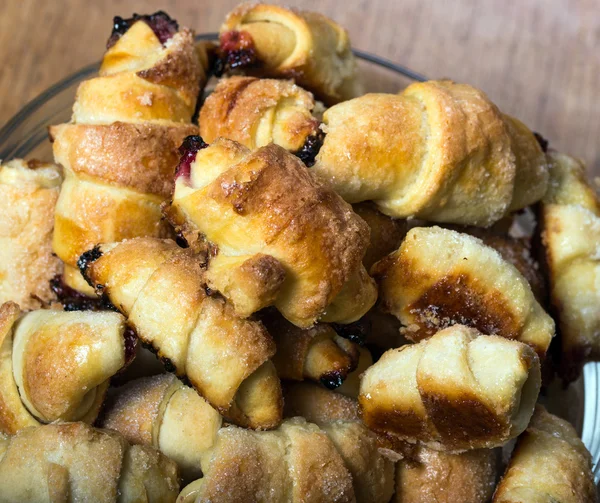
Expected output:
(356, 332)
(162, 25)
(236, 51)
(188, 150)
(542, 141)
(131, 342)
(72, 300)
(332, 380)
(310, 149)
(85, 259)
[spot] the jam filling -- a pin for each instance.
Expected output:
(542, 141)
(188, 150)
(162, 25)
(310, 149)
(236, 51)
(356, 332)
(131, 342)
(72, 300)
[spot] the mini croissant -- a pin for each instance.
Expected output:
(439, 151)
(549, 463)
(456, 391)
(256, 112)
(272, 41)
(570, 224)
(283, 238)
(74, 462)
(29, 193)
(440, 277)
(55, 365)
(160, 288)
(119, 151)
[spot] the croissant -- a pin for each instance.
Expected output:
(317, 353)
(570, 225)
(439, 151)
(119, 151)
(456, 391)
(256, 112)
(55, 365)
(272, 41)
(372, 472)
(75, 462)
(162, 412)
(283, 238)
(549, 463)
(225, 358)
(426, 475)
(29, 193)
(440, 277)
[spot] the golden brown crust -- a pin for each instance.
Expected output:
(195, 335)
(29, 194)
(267, 202)
(256, 112)
(306, 46)
(75, 462)
(426, 475)
(318, 405)
(440, 277)
(448, 155)
(549, 463)
(444, 393)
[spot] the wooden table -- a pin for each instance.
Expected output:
(537, 59)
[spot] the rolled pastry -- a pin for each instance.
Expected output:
(570, 225)
(456, 391)
(283, 238)
(29, 193)
(55, 365)
(549, 463)
(317, 353)
(256, 112)
(426, 475)
(439, 151)
(273, 41)
(75, 462)
(440, 277)
(119, 151)
(160, 288)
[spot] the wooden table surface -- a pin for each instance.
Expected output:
(537, 59)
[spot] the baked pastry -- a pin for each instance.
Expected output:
(426, 475)
(456, 391)
(440, 277)
(29, 192)
(55, 365)
(439, 151)
(225, 358)
(75, 462)
(164, 413)
(549, 463)
(256, 112)
(273, 41)
(283, 238)
(119, 151)
(570, 225)
(372, 472)
(317, 353)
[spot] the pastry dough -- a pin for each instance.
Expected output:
(440, 277)
(456, 391)
(119, 151)
(316, 353)
(426, 476)
(29, 193)
(75, 462)
(256, 112)
(549, 463)
(439, 151)
(160, 288)
(55, 365)
(570, 224)
(162, 412)
(288, 43)
(283, 238)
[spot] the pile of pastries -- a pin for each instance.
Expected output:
(290, 291)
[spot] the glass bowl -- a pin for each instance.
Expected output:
(26, 136)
